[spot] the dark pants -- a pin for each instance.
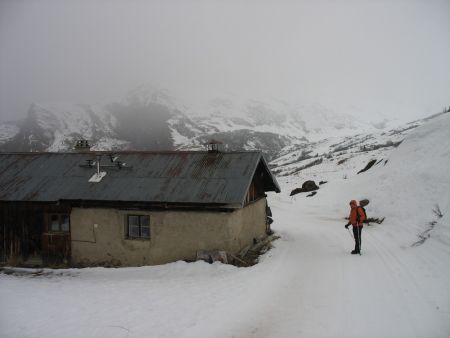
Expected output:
(357, 235)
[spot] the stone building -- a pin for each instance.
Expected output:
(129, 208)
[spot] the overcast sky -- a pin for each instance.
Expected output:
(387, 56)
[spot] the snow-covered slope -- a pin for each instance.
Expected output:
(71, 122)
(413, 187)
(56, 126)
(312, 122)
(408, 187)
(8, 130)
(341, 157)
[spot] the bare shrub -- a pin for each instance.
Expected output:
(437, 211)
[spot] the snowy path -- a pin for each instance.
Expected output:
(309, 286)
(317, 289)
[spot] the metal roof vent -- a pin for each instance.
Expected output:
(98, 175)
(214, 146)
(82, 145)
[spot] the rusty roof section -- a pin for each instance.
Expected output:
(221, 178)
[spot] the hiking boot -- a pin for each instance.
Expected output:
(354, 252)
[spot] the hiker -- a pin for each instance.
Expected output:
(356, 219)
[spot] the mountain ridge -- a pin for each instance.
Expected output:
(152, 119)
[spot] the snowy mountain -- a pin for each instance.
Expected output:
(55, 127)
(8, 130)
(153, 119)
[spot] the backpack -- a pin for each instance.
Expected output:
(362, 204)
(365, 215)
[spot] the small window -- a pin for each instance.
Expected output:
(59, 222)
(64, 223)
(138, 226)
(54, 223)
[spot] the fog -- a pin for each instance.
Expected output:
(374, 57)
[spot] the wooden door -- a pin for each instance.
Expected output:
(56, 242)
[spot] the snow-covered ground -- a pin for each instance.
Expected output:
(307, 286)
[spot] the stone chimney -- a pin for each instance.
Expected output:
(82, 146)
(213, 146)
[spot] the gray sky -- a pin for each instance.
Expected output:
(390, 57)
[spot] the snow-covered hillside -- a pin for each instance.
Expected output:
(309, 285)
(341, 157)
(413, 187)
(408, 187)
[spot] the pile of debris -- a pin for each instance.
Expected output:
(248, 256)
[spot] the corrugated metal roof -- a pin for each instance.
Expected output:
(160, 177)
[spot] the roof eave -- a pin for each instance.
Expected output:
(274, 180)
(272, 177)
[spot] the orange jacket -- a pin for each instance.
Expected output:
(354, 213)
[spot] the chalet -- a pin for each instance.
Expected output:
(129, 208)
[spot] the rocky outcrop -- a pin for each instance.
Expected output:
(368, 166)
(307, 186)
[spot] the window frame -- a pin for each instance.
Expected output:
(60, 217)
(139, 226)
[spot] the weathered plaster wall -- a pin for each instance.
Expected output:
(99, 235)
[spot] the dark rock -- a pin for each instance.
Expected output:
(306, 187)
(311, 194)
(368, 166)
(296, 191)
(309, 186)
(322, 182)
